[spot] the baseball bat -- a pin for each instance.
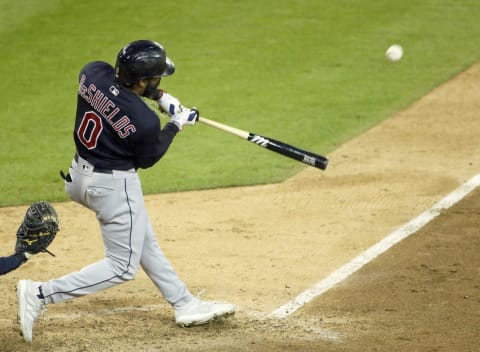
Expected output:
(282, 148)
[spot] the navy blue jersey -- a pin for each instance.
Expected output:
(114, 128)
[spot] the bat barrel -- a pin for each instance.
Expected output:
(290, 151)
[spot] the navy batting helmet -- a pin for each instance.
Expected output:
(142, 59)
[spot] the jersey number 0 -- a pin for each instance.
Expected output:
(90, 129)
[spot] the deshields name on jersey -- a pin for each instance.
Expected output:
(105, 107)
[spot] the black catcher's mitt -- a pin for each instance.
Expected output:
(37, 230)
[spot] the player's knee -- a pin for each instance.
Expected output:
(125, 271)
(129, 275)
(131, 272)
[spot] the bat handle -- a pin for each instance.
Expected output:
(223, 127)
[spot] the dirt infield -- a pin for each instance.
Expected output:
(259, 247)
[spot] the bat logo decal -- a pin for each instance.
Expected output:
(260, 141)
(309, 160)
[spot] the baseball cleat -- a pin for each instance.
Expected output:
(29, 307)
(198, 312)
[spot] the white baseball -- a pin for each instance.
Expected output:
(394, 53)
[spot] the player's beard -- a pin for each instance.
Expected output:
(151, 89)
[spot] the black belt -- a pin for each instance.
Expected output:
(96, 169)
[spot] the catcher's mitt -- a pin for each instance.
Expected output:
(38, 229)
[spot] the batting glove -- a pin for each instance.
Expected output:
(185, 117)
(169, 104)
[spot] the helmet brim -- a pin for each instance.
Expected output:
(170, 69)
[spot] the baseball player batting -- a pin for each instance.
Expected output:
(115, 134)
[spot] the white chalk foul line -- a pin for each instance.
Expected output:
(380, 247)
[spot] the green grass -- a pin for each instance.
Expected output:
(311, 73)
